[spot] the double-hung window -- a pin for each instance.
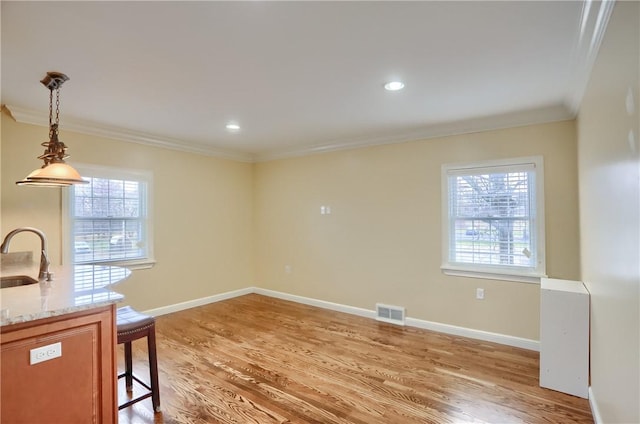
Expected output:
(109, 219)
(493, 219)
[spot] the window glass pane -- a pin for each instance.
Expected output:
(131, 208)
(116, 189)
(99, 207)
(131, 189)
(83, 241)
(116, 208)
(82, 206)
(100, 187)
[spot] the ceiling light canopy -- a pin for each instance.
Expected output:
(55, 172)
(394, 86)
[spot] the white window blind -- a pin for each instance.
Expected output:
(493, 218)
(108, 219)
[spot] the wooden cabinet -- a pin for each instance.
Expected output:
(77, 387)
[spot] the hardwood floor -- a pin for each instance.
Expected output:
(255, 359)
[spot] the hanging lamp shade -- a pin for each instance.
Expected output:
(55, 172)
(53, 175)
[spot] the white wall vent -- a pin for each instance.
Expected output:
(390, 314)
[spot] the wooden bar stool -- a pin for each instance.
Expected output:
(133, 325)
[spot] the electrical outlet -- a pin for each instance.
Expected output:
(480, 293)
(45, 353)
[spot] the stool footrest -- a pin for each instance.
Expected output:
(142, 383)
(132, 401)
(139, 398)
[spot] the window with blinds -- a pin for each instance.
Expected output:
(494, 218)
(108, 218)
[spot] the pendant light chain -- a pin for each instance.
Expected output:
(57, 106)
(50, 107)
(53, 129)
(50, 113)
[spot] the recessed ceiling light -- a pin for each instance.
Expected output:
(232, 126)
(394, 86)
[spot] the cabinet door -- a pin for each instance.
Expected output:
(77, 387)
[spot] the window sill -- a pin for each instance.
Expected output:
(493, 275)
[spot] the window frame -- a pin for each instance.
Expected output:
(98, 171)
(496, 272)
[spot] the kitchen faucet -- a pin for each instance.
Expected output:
(44, 259)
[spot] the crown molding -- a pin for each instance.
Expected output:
(593, 25)
(548, 114)
(543, 115)
(28, 116)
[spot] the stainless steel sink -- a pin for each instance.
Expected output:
(15, 281)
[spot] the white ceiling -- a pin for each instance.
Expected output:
(298, 77)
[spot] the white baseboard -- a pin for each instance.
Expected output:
(597, 419)
(197, 302)
(476, 334)
(315, 302)
(413, 322)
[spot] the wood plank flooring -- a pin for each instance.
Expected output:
(255, 359)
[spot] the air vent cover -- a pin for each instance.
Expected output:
(390, 314)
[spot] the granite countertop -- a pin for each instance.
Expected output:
(72, 289)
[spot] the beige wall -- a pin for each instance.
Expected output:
(382, 241)
(202, 212)
(216, 220)
(610, 217)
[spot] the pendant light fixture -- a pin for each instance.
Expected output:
(55, 172)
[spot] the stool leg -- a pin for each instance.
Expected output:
(128, 366)
(153, 368)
